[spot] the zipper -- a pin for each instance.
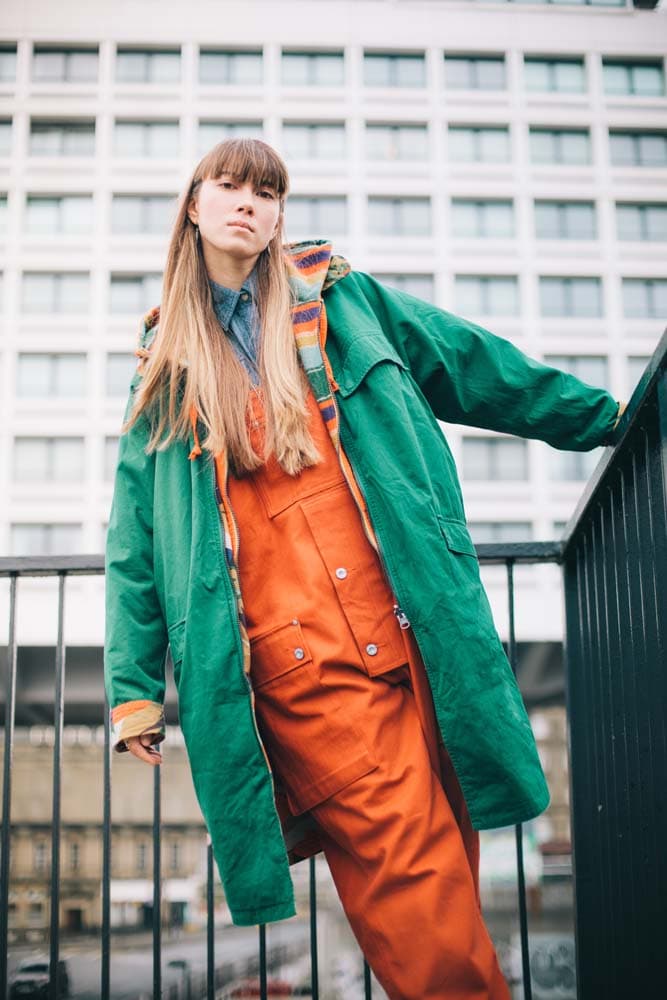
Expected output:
(401, 617)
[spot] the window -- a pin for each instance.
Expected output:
(396, 142)
(148, 66)
(565, 220)
(139, 139)
(317, 214)
(566, 146)
(475, 72)
(54, 65)
(494, 458)
(314, 142)
(74, 856)
(399, 216)
(51, 292)
(48, 459)
(572, 466)
(638, 149)
(636, 78)
(591, 369)
(142, 856)
(59, 138)
(45, 539)
(5, 136)
(484, 219)
(110, 458)
(496, 295)
(40, 856)
(212, 132)
(52, 215)
(479, 143)
(148, 214)
(51, 376)
(119, 371)
(7, 63)
(643, 222)
(420, 285)
(645, 298)
(218, 66)
(175, 855)
(135, 293)
(570, 296)
(636, 368)
(394, 70)
(313, 69)
(500, 531)
(563, 76)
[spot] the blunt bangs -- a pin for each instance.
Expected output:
(245, 160)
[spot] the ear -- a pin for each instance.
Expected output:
(192, 213)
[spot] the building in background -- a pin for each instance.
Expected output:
(506, 161)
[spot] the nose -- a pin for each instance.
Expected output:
(246, 199)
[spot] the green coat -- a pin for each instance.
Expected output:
(401, 365)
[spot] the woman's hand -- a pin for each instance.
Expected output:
(141, 747)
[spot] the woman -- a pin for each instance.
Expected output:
(341, 684)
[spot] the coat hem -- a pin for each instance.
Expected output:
(263, 914)
(521, 815)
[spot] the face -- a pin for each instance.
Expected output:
(234, 217)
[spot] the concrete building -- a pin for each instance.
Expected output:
(507, 161)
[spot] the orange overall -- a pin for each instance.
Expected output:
(345, 712)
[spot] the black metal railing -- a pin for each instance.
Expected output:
(614, 555)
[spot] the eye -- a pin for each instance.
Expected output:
(226, 184)
(267, 193)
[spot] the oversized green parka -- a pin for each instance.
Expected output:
(400, 365)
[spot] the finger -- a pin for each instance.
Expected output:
(148, 754)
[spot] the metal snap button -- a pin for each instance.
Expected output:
(299, 653)
(244, 297)
(341, 572)
(371, 649)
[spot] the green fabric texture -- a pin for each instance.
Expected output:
(400, 365)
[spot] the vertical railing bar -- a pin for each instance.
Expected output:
(210, 923)
(105, 970)
(518, 830)
(58, 712)
(263, 985)
(10, 713)
(157, 887)
(605, 786)
(368, 989)
(314, 968)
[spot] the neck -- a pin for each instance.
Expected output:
(225, 270)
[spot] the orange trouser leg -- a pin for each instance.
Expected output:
(405, 874)
(399, 864)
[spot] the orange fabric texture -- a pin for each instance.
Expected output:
(345, 712)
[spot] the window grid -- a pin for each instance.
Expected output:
(62, 138)
(641, 221)
(134, 293)
(562, 146)
(484, 219)
(45, 539)
(148, 214)
(145, 138)
(563, 76)
(314, 141)
(148, 65)
(486, 144)
(577, 297)
(633, 148)
(396, 142)
(494, 459)
(645, 298)
(636, 79)
(394, 69)
(48, 459)
(7, 63)
(230, 67)
(399, 216)
(58, 214)
(311, 214)
(565, 220)
(56, 292)
(475, 72)
(51, 375)
(64, 65)
(492, 295)
(313, 69)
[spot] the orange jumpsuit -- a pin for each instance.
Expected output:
(345, 712)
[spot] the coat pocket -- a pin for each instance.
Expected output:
(362, 355)
(313, 745)
(457, 536)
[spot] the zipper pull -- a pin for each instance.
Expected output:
(218, 495)
(401, 617)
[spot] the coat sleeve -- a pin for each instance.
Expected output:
(136, 637)
(474, 377)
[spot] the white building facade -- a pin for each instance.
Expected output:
(507, 161)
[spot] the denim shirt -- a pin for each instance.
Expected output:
(237, 315)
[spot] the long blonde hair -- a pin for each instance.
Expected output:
(192, 362)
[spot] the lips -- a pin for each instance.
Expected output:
(241, 225)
